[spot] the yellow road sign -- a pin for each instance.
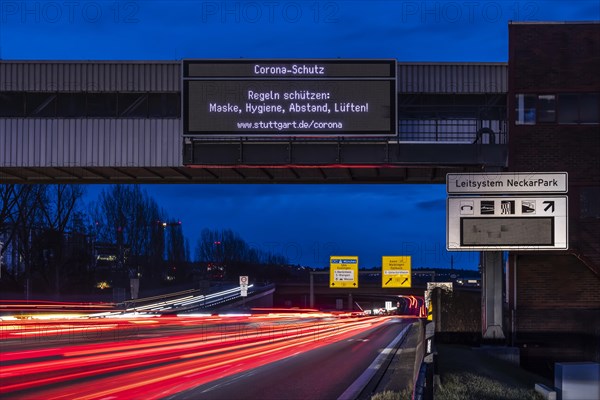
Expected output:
(430, 312)
(395, 272)
(343, 272)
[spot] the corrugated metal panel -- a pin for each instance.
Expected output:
(90, 76)
(90, 142)
(111, 76)
(453, 78)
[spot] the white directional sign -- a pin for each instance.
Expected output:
(243, 285)
(507, 183)
(507, 223)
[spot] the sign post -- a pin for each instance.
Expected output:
(521, 217)
(343, 272)
(243, 285)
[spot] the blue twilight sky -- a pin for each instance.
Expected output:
(307, 223)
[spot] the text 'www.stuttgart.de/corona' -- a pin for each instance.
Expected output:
(286, 125)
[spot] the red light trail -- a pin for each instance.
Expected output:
(155, 357)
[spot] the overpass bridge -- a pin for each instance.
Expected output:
(121, 122)
(367, 295)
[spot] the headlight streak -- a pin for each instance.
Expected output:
(68, 329)
(165, 361)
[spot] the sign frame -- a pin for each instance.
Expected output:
(234, 75)
(533, 209)
(346, 267)
(508, 183)
(396, 271)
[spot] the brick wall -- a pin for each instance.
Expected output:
(557, 309)
(552, 56)
(575, 149)
(557, 317)
(555, 282)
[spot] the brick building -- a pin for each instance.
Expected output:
(554, 114)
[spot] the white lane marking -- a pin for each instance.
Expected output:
(362, 381)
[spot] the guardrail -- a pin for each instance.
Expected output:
(424, 384)
(190, 301)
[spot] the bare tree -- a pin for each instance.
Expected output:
(12, 211)
(9, 196)
(27, 229)
(127, 216)
(175, 242)
(227, 249)
(57, 207)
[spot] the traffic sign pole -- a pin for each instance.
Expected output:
(494, 224)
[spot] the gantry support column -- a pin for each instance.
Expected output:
(491, 295)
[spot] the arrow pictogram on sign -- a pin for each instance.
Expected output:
(405, 279)
(549, 205)
(388, 281)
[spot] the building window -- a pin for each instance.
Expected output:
(163, 105)
(525, 109)
(133, 105)
(571, 108)
(71, 105)
(590, 202)
(92, 104)
(102, 105)
(40, 105)
(568, 109)
(12, 104)
(579, 108)
(589, 108)
(546, 108)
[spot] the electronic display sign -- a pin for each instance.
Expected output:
(300, 98)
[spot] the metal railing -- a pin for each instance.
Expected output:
(454, 130)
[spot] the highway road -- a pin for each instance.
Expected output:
(267, 356)
(323, 373)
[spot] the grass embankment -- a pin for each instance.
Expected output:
(466, 386)
(469, 374)
(391, 395)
